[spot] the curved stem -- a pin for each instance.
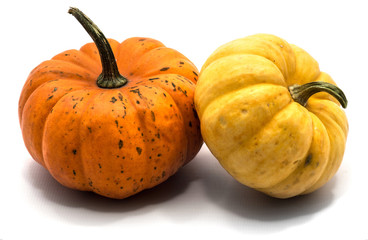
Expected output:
(110, 76)
(301, 93)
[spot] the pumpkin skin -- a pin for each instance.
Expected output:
(115, 142)
(255, 128)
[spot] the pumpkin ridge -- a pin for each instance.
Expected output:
(47, 165)
(78, 63)
(137, 59)
(301, 164)
(224, 95)
(249, 137)
(168, 93)
(130, 96)
(165, 65)
(268, 41)
(332, 126)
(144, 130)
(51, 73)
(94, 94)
(265, 160)
(264, 126)
(36, 92)
(249, 54)
(44, 84)
(241, 77)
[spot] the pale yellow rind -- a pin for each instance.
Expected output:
(253, 127)
(234, 72)
(268, 46)
(335, 121)
(274, 152)
(310, 167)
(232, 119)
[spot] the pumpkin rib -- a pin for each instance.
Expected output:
(306, 67)
(124, 51)
(83, 171)
(80, 59)
(49, 99)
(304, 176)
(227, 98)
(143, 148)
(329, 122)
(99, 141)
(262, 45)
(168, 91)
(48, 164)
(225, 95)
(45, 84)
(275, 142)
(155, 62)
(52, 70)
(168, 169)
(245, 76)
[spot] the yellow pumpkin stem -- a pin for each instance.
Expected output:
(301, 93)
(110, 76)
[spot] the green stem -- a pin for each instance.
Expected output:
(301, 93)
(110, 76)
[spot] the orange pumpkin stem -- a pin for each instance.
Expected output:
(110, 76)
(301, 93)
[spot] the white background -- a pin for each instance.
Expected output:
(201, 201)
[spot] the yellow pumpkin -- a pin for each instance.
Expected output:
(270, 116)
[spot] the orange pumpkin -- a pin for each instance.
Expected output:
(118, 132)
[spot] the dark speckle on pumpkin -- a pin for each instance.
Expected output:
(120, 97)
(74, 151)
(121, 144)
(139, 150)
(308, 160)
(157, 135)
(153, 116)
(183, 91)
(113, 100)
(165, 69)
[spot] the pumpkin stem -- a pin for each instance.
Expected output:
(110, 76)
(301, 93)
